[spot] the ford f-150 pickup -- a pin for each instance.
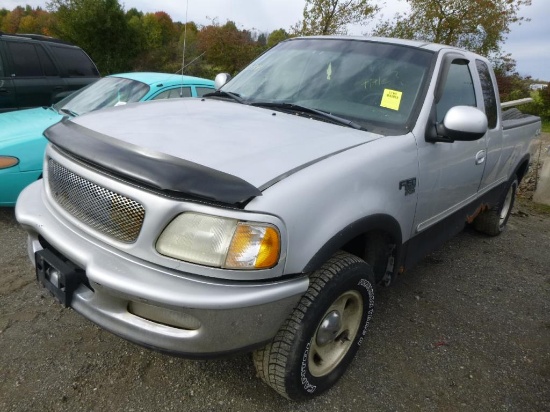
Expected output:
(263, 216)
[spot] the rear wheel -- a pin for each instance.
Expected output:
(319, 339)
(493, 221)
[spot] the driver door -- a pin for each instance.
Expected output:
(449, 173)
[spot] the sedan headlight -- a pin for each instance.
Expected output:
(220, 242)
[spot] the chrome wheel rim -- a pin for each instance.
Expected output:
(506, 205)
(336, 333)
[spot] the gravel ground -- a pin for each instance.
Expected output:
(467, 329)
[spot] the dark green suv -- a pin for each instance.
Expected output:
(39, 70)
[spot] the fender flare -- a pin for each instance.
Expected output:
(383, 222)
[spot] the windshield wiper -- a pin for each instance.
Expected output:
(319, 113)
(69, 112)
(222, 93)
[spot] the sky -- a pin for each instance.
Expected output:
(529, 43)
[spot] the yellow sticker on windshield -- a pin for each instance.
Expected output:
(391, 99)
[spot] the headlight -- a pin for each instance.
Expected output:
(8, 161)
(220, 242)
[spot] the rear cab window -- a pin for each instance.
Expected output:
(489, 95)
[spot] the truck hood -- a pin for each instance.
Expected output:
(253, 145)
(25, 124)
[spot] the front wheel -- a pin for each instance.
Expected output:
(493, 221)
(319, 339)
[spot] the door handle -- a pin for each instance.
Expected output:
(480, 157)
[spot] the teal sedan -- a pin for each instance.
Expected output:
(22, 143)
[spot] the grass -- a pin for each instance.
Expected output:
(533, 206)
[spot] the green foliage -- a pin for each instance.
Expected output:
(128, 41)
(322, 17)
(226, 48)
(10, 21)
(276, 36)
(540, 105)
(99, 27)
(476, 25)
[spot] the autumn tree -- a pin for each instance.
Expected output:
(26, 20)
(11, 20)
(226, 47)
(194, 60)
(321, 17)
(477, 25)
(511, 85)
(99, 27)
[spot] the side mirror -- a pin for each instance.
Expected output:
(221, 79)
(462, 123)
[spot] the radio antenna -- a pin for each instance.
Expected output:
(184, 44)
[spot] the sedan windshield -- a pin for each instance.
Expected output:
(106, 92)
(365, 82)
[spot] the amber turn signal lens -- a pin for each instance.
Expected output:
(8, 161)
(254, 246)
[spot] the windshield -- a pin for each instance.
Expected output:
(369, 83)
(106, 92)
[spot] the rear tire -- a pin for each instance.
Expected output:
(493, 221)
(319, 339)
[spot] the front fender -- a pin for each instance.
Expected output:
(382, 222)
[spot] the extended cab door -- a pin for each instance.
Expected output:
(7, 90)
(450, 172)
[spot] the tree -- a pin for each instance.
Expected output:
(476, 25)
(226, 47)
(276, 36)
(323, 17)
(99, 27)
(511, 85)
(262, 40)
(10, 22)
(36, 21)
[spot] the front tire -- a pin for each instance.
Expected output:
(493, 221)
(319, 339)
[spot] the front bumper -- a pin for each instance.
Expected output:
(230, 315)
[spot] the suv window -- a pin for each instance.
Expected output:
(488, 93)
(47, 63)
(77, 63)
(25, 59)
(459, 90)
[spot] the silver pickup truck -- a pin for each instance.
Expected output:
(262, 217)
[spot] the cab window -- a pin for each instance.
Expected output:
(489, 96)
(458, 91)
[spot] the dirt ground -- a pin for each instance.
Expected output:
(468, 329)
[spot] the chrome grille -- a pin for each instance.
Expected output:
(108, 212)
